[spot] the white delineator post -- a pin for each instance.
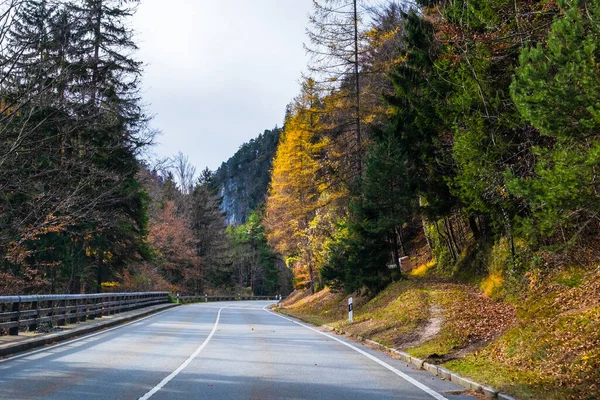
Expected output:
(350, 310)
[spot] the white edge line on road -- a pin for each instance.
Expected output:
(401, 374)
(46, 348)
(186, 362)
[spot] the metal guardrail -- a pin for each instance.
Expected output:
(18, 312)
(206, 298)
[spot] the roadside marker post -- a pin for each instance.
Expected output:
(177, 298)
(205, 297)
(350, 310)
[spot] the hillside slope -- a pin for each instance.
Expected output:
(544, 344)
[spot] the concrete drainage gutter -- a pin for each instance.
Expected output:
(433, 369)
(421, 364)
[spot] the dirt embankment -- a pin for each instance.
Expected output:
(543, 344)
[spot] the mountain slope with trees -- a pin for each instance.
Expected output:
(243, 180)
(478, 163)
(462, 143)
(79, 211)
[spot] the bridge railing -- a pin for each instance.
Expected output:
(18, 312)
(205, 298)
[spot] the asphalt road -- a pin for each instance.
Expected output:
(234, 350)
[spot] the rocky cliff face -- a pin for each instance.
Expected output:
(242, 182)
(236, 211)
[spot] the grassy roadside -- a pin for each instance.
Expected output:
(543, 345)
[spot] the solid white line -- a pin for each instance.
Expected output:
(245, 308)
(401, 374)
(81, 338)
(186, 362)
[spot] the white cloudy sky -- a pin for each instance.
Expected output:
(218, 72)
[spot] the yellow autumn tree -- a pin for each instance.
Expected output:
(296, 185)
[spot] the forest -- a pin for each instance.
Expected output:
(435, 130)
(440, 167)
(82, 207)
(458, 127)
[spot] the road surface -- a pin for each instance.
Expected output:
(233, 350)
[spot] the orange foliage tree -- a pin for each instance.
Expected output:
(176, 266)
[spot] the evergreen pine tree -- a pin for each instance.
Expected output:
(212, 244)
(28, 60)
(556, 87)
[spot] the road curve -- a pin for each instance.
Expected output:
(234, 350)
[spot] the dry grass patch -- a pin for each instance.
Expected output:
(323, 307)
(392, 318)
(471, 320)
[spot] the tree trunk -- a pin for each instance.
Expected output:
(99, 279)
(53, 285)
(400, 232)
(396, 252)
(75, 285)
(424, 222)
(448, 244)
(451, 235)
(474, 227)
(483, 225)
(95, 65)
(311, 278)
(357, 83)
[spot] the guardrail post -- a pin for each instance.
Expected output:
(62, 314)
(50, 305)
(105, 307)
(15, 308)
(72, 319)
(101, 306)
(35, 306)
(83, 302)
(91, 308)
(112, 307)
(119, 304)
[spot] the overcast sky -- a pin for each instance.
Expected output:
(219, 72)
